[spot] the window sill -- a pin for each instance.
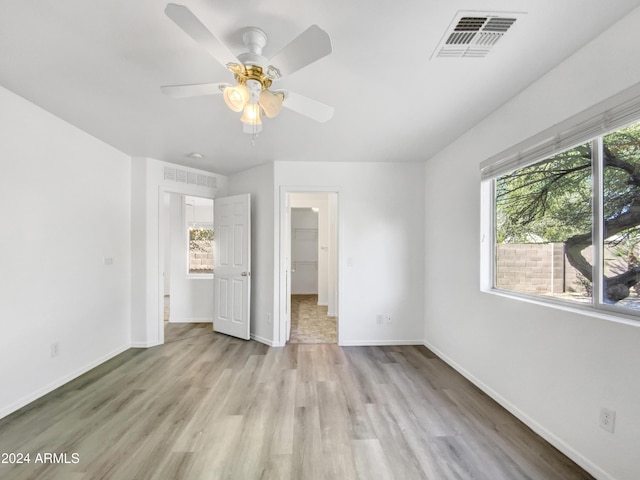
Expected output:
(603, 312)
(199, 276)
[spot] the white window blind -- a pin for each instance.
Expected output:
(615, 112)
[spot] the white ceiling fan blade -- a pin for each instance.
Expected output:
(187, 21)
(193, 90)
(308, 107)
(311, 45)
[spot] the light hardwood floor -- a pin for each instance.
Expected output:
(213, 407)
(179, 331)
(174, 332)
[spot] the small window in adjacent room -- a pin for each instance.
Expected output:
(200, 250)
(199, 223)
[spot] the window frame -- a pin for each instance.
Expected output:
(186, 228)
(588, 126)
(194, 274)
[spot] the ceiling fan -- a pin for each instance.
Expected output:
(254, 74)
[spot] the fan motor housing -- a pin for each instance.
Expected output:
(254, 39)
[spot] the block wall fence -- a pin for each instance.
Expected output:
(542, 268)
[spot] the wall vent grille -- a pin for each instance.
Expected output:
(181, 176)
(191, 178)
(170, 174)
(471, 34)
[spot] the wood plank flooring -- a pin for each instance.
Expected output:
(213, 407)
(179, 331)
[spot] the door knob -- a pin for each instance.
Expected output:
(246, 274)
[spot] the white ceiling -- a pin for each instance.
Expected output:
(99, 66)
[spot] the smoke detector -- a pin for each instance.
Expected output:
(474, 34)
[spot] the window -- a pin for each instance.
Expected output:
(199, 225)
(568, 225)
(200, 250)
(543, 227)
(621, 217)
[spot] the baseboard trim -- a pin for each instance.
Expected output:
(260, 339)
(192, 320)
(26, 400)
(558, 443)
(378, 343)
(144, 344)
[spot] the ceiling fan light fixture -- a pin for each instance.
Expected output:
(253, 72)
(251, 114)
(271, 102)
(236, 97)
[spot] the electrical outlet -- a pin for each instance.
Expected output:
(268, 318)
(55, 349)
(607, 419)
(379, 319)
(388, 318)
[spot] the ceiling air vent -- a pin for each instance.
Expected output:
(474, 34)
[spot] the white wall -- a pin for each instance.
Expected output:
(258, 182)
(64, 205)
(166, 234)
(381, 244)
(555, 369)
(304, 252)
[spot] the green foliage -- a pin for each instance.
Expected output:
(546, 202)
(201, 234)
(622, 173)
(551, 201)
(200, 239)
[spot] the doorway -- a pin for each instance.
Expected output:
(187, 265)
(310, 322)
(310, 256)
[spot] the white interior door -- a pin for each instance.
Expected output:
(232, 265)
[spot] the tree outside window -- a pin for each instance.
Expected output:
(621, 212)
(544, 229)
